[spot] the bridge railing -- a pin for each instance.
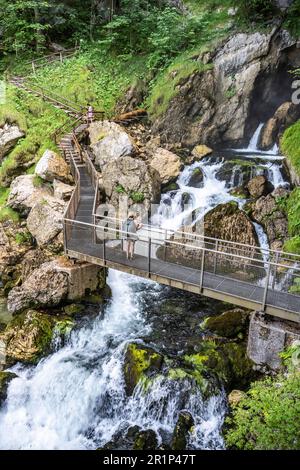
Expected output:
(193, 263)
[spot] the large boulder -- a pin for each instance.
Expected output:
(29, 335)
(285, 115)
(259, 186)
(109, 141)
(199, 152)
(52, 166)
(167, 164)
(131, 177)
(45, 287)
(9, 136)
(139, 360)
(228, 222)
(45, 220)
(229, 324)
(182, 429)
(24, 193)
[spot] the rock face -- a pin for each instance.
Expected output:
(109, 142)
(52, 166)
(228, 222)
(131, 177)
(216, 105)
(9, 136)
(24, 194)
(45, 220)
(45, 287)
(235, 397)
(167, 164)
(286, 114)
(259, 186)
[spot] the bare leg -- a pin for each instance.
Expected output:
(128, 249)
(131, 249)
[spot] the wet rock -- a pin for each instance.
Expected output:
(230, 324)
(24, 193)
(9, 136)
(27, 337)
(235, 397)
(167, 164)
(52, 166)
(109, 142)
(270, 215)
(259, 186)
(183, 426)
(170, 187)
(200, 151)
(146, 440)
(62, 191)
(131, 178)
(5, 379)
(139, 360)
(45, 220)
(196, 180)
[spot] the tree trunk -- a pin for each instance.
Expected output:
(38, 31)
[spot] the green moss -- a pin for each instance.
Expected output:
(137, 197)
(73, 309)
(6, 214)
(167, 84)
(290, 145)
(63, 327)
(229, 324)
(22, 238)
(120, 189)
(292, 245)
(38, 181)
(139, 360)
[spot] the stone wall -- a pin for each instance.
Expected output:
(267, 338)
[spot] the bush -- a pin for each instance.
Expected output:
(269, 415)
(256, 10)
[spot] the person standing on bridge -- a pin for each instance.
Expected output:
(90, 114)
(131, 226)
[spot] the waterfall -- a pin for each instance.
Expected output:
(75, 398)
(253, 146)
(171, 215)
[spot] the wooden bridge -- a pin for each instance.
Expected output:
(243, 275)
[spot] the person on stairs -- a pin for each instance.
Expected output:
(90, 114)
(130, 228)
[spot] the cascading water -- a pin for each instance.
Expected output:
(75, 398)
(253, 145)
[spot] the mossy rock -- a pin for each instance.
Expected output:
(146, 440)
(229, 324)
(139, 360)
(170, 187)
(183, 426)
(73, 309)
(28, 336)
(5, 379)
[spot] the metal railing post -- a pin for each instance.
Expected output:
(202, 269)
(215, 257)
(165, 245)
(149, 256)
(275, 270)
(104, 250)
(264, 301)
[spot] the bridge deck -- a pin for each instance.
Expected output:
(83, 247)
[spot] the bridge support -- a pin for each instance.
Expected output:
(267, 338)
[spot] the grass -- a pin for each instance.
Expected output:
(38, 120)
(290, 145)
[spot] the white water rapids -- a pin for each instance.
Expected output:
(75, 398)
